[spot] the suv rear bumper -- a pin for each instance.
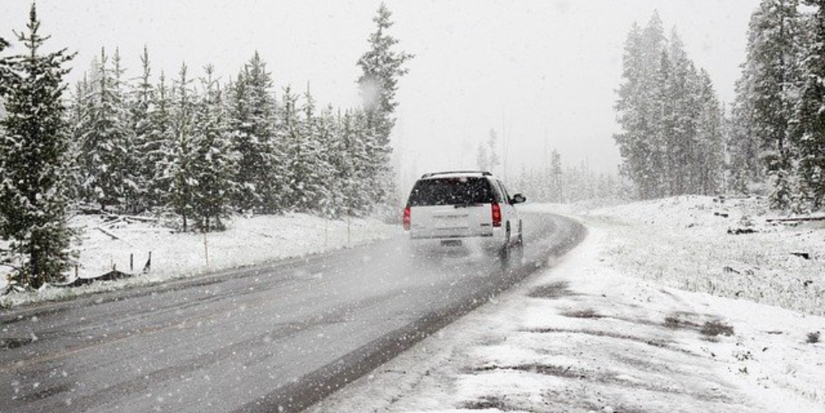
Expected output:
(490, 241)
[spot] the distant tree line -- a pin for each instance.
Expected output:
(559, 183)
(190, 145)
(673, 131)
(777, 127)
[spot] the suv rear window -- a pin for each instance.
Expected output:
(451, 191)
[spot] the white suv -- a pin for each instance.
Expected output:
(463, 208)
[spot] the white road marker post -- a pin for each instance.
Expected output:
(205, 250)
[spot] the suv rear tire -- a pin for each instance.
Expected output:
(504, 252)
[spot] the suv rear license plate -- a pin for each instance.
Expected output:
(451, 243)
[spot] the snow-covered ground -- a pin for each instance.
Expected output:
(684, 242)
(247, 241)
(607, 329)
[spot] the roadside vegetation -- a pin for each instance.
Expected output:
(191, 149)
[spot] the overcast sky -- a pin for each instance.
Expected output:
(542, 72)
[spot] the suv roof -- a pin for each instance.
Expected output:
(451, 173)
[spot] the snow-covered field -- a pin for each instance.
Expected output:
(247, 241)
(684, 242)
(609, 330)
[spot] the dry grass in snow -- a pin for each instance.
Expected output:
(103, 246)
(689, 243)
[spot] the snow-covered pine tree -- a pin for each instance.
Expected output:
(33, 151)
(809, 133)
(5, 72)
(654, 77)
(482, 159)
(329, 150)
(131, 152)
(683, 163)
(664, 169)
(492, 150)
(639, 108)
(144, 139)
(292, 138)
(341, 180)
(314, 168)
(556, 178)
(381, 68)
(106, 141)
(159, 141)
(744, 165)
(353, 177)
(710, 150)
(371, 166)
(181, 163)
(770, 69)
(77, 122)
(261, 168)
(213, 163)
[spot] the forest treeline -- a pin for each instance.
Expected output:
(677, 139)
(186, 144)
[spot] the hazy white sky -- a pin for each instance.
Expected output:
(544, 71)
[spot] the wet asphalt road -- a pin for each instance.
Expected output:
(269, 338)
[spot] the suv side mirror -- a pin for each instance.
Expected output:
(518, 199)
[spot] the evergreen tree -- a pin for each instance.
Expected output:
(5, 72)
(381, 68)
(33, 152)
(710, 150)
(809, 133)
(182, 169)
(329, 148)
(683, 160)
(78, 121)
(293, 139)
(261, 168)
(482, 159)
(159, 141)
(213, 162)
(770, 71)
(640, 107)
(492, 142)
(310, 165)
(556, 178)
(342, 182)
(145, 138)
(131, 149)
(742, 146)
(106, 141)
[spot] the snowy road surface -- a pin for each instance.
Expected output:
(272, 337)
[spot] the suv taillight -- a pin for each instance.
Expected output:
(496, 215)
(407, 220)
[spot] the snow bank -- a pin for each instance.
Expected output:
(248, 241)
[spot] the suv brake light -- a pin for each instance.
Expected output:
(496, 215)
(407, 219)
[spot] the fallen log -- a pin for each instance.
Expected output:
(109, 233)
(800, 219)
(131, 218)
